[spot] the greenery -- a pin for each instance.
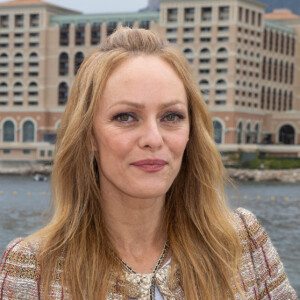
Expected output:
(272, 163)
(237, 160)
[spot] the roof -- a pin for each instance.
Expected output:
(281, 14)
(14, 3)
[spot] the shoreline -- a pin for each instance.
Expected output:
(288, 175)
(284, 175)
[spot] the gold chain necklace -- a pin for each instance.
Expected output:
(159, 263)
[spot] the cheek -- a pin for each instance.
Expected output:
(114, 146)
(178, 144)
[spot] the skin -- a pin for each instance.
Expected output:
(142, 114)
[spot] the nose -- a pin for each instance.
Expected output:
(150, 136)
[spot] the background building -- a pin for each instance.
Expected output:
(246, 63)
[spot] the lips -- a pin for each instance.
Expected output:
(150, 165)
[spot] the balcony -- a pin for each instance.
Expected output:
(34, 39)
(18, 59)
(18, 98)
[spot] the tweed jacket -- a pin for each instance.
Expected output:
(262, 273)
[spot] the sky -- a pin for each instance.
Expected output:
(100, 6)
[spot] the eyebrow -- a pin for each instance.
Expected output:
(137, 105)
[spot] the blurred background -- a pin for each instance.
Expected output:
(243, 55)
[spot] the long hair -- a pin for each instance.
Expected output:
(75, 246)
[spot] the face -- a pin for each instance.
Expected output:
(141, 128)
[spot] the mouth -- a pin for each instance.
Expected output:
(150, 165)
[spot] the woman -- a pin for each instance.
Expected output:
(138, 193)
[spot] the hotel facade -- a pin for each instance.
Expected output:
(246, 62)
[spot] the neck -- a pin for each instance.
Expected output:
(136, 228)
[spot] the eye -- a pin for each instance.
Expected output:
(173, 117)
(124, 117)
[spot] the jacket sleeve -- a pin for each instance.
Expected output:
(260, 256)
(19, 277)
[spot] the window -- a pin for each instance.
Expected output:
(205, 29)
(8, 131)
(128, 23)
(222, 60)
(286, 77)
(265, 39)
(79, 57)
(270, 68)
(111, 27)
(173, 41)
(4, 21)
(274, 99)
(275, 70)
(189, 14)
(64, 64)
(171, 30)
(276, 42)
(222, 51)
(33, 93)
(248, 133)
(42, 153)
(281, 71)
(224, 13)
(204, 60)
(205, 40)
(282, 44)
(204, 71)
(206, 14)
(223, 28)
(271, 41)
(253, 18)
(34, 20)
(188, 40)
(80, 34)
(223, 39)
(291, 101)
(19, 21)
(95, 33)
(63, 93)
(279, 100)
(205, 51)
(292, 74)
(144, 24)
(187, 29)
(28, 131)
(172, 15)
(64, 35)
(268, 98)
(285, 100)
(239, 133)
(287, 49)
(262, 101)
(222, 71)
(240, 14)
(247, 16)
(259, 20)
(218, 132)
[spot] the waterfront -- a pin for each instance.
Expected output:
(24, 202)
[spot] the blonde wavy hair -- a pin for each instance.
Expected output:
(204, 242)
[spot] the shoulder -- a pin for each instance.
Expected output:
(19, 270)
(261, 268)
(249, 228)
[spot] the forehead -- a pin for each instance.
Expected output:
(144, 78)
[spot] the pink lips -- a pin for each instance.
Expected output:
(150, 165)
